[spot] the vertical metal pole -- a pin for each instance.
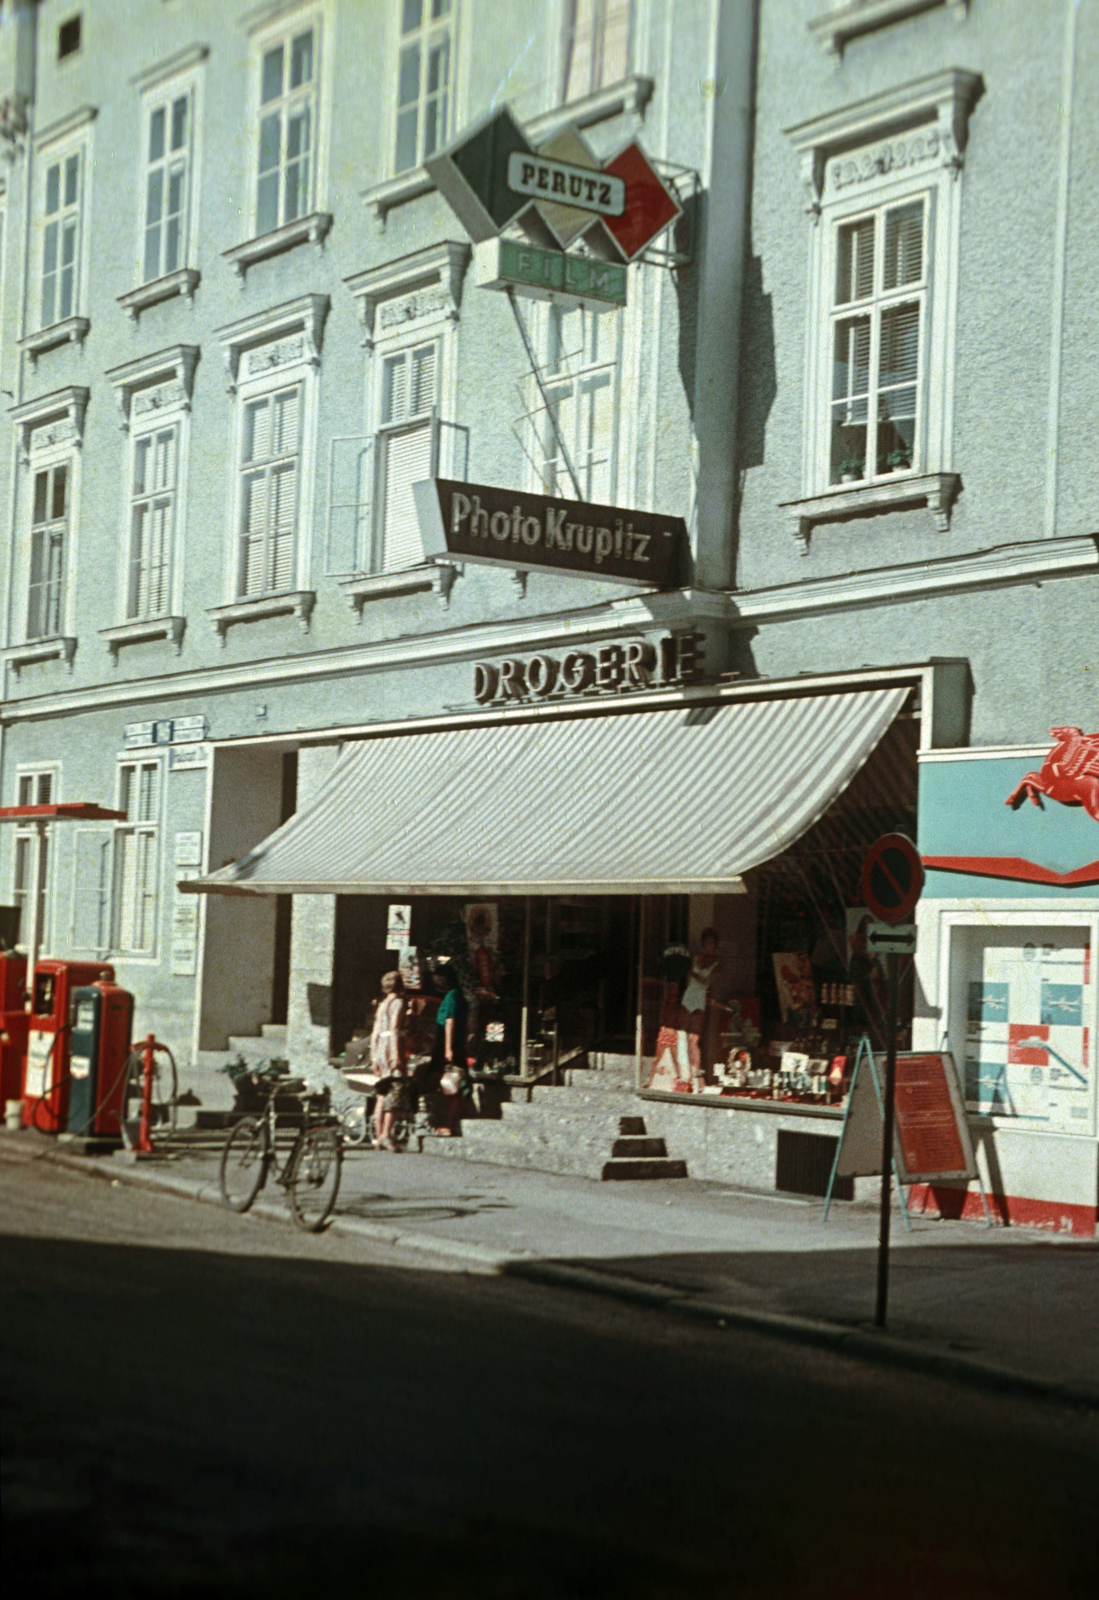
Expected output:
(524, 1022)
(639, 1027)
(41, 869)
(887, 1143)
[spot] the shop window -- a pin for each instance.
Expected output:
(49, 531)
(578, 427)
(31, 858)
(136, 858)
(286, 134)
(424, 79)
(406, 451)
(270, 446)
(152, 523)
(597, 45)
(1024, 1003)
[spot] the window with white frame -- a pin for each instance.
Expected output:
(152, 523)
(135, 857)
(883, 181)
(877, 321)
(580, 425)
(168, 176)
(424, 80)
(61, 229)
(270, 458)
(287, 126)
(596, 45)
(50, 510)
(30, 858)
(406, 450)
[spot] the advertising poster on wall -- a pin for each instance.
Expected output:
(1028, 1007)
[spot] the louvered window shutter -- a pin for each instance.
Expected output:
(288, 419)
(252, 536)
(407, 460)
(283, 519)
(422, 397)
(257, 431)
(395, 389)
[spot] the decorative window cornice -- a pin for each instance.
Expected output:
(438, 577)
(142, 632)
(72, 122)
(160, 382)
(183, 282)
(61, 648)
(304, 317)
(292, 602)
(304, 230)
(170, 67)
(935, 490)
(411, 289)
(50, 420)
(834, 30)
(628, 97)
(73, 330)
(939, 105)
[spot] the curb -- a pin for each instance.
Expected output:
(154, 1176)
(876, 1348)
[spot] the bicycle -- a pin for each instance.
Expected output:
(310, 1172)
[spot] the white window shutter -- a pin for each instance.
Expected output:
(91, 879)
(283, 523)
(408, 459)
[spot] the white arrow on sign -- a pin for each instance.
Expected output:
(898, 937)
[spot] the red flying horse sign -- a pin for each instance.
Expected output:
(1070, 773)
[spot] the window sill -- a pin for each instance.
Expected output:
(437, 576)
(74, 330)
(305, 230)
(60, 648)
(936, 490)
(629, 97)
(141, 631)
(835, 30)
(291, 602)
(410, 185)
(184, 282)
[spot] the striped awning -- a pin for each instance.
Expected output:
(680, 800)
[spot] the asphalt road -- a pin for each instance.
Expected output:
(195, 1403)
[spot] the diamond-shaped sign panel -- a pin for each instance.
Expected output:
(472, 175)
(650, 206)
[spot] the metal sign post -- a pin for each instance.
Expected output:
(887, 1142)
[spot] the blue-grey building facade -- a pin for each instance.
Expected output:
(239, 321)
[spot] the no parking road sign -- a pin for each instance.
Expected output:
(892, 878)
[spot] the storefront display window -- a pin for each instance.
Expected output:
(1024, 1003)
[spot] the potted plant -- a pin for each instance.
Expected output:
(851, 468)
(898, 460)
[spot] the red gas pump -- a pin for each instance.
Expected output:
(13, 1023)
(46, 1078)
(99, 1050)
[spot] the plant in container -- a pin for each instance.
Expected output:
(898, 460)
(851, 469)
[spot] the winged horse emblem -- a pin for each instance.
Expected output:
(1070, 773)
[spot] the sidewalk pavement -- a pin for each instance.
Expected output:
(1014, 1309)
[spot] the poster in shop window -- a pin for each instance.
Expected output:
(1029, 1020)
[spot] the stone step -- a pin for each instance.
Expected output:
(631, 1125)
(646, 1168)
(274, 1031)
(257, 1047)
(634, 1146)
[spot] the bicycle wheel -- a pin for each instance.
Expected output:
(244, 1163)
(315, 1178)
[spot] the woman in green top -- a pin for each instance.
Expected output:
(449, 1054)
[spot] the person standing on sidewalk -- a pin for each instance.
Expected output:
(449, 1055)
(388, 1059)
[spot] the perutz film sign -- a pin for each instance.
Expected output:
(502, 527)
